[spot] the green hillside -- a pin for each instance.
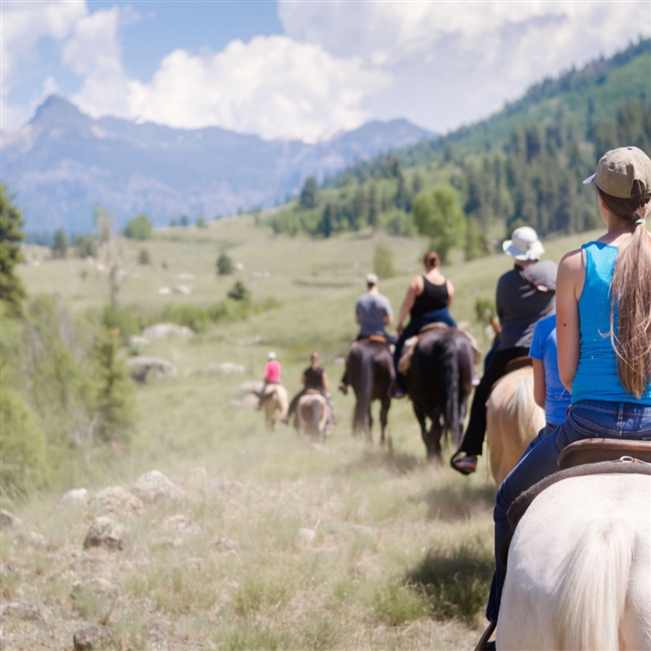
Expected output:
(523, 165)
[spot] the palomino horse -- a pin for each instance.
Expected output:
(274, 402)
(512, 420)
(312, 413)
(370, 373)
(579, 568)
(439, 383)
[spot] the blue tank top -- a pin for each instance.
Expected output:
(596, 377)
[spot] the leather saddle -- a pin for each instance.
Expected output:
(518, 363)
(599, 450)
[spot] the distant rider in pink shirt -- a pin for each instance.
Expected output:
(272, 370)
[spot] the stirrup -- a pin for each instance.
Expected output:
(481, 645)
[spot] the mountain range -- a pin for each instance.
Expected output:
(63, 163)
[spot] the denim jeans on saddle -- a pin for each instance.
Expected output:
(585, 419)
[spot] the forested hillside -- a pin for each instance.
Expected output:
(523, 165)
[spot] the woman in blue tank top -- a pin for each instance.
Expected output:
(603, 320)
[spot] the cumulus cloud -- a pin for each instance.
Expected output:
(456, 61)
(272, 86)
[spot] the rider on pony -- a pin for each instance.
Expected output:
(314, 380)
(428, 298)
(372, 313)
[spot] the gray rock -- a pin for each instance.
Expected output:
(165, 331)
(26, 611)
(154, 486)
(91, 638)
(156, 637)
(222, 544)
(8, 519)
(224, 367)
(116, 501)
(87, 563)
(107, 533)
(77, 498)
(136, 341)
(30, 539)
(142, 368)
(182, 289)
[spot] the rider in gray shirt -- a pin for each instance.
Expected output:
(373, 310)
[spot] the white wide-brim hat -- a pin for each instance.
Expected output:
(524, 244)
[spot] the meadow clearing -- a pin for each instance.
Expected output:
(297, 545)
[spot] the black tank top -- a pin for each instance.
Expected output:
(314, 378)
(434, 297)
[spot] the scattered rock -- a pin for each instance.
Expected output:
(143, 368)
(26, 611)
(154, 486)
(165, 331)
(164, 291)
(77, 498)
(8, 519)
(249, 401)
(116, 501)
(224, 367)
(222, 544)
(107, 533)
(136, 341)
(306, 536)
(156, 637)
(181, 524)
(239, 266)
(182, 289)
(258, 339)
(95, 597)
(184, 275)
(260, 274)
(30, 539)
(91, 637)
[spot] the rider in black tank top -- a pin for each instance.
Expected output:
(434, 297)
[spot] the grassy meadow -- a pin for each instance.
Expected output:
(299, 545)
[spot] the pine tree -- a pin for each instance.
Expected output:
(60, 244)
(12, 292)
(224, 265)
(309, 194)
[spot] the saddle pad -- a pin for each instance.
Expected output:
(405, 359)
(524, 500)
(597, 450)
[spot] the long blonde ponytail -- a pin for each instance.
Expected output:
(631, 293)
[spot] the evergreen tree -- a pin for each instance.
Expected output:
(60, 244)
(225, 265)
(476, 243)
(85, 246)
(239, 292)
(360, 207)
(12, 291)
(144, 257)
(139, 228)
(309, 194)
(184, 221)
(328, 218)
(373, 207)
(115, 393)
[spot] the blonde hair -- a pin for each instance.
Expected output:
(631, 292)
(314, 357)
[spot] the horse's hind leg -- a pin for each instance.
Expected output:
(368, 429)
(384, 417)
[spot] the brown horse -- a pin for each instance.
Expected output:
(370, 373)
(512, 420)
(439, 383)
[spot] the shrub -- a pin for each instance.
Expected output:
(239, 292)
(85, 246)
(22, 443)
(476, 244)
(400, 223)
(143, 257)
(201, 222)
(225, 265)
(122, 320)
(383, 261)
(115, 394)
(60, 244)
(139, 228)
(194, 317)
(12, 292)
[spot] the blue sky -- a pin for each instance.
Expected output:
(296, 68)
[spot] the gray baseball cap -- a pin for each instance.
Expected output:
(617, 170)
(371, 279)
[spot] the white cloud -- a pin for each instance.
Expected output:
(272, 86)
(458, 61)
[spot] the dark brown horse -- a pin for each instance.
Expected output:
(370, 373)
(439, 383)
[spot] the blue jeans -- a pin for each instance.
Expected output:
(412, 329)
(585, 419)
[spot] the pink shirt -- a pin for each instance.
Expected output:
(272, 371)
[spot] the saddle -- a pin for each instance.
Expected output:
(518, 363)
(579, 459)
(410, 345)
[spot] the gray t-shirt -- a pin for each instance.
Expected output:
(372, 310)
(524, 296)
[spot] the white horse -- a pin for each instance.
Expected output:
(312, 413)
(579, 569)
(274, 401)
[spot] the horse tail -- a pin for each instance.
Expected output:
(449, 387)
(523, 407)
(365, 393)
(593, 590)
